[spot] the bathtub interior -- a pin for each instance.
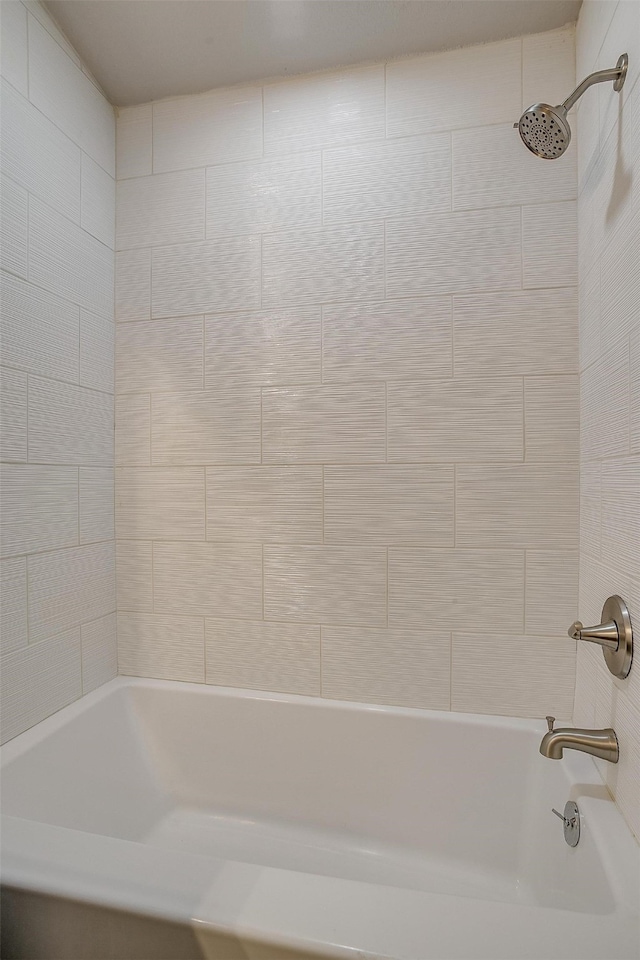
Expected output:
(424, 801)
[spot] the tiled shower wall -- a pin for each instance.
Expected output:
(609, 241)
(58, 564)
(346, 386)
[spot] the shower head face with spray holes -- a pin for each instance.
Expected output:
(545, 131)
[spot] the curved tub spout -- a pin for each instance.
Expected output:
(598, 743)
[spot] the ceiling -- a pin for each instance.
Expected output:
(141, 50)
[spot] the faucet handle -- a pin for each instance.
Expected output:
(550, 723)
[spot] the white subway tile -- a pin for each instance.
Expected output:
(134, 149)
(390, 179)
(68, 262)
(401, 340)
(96, 504)
(332, 584)
(133, 430)
(208, 579)
(261, 196)
(515, 334)
(453, 253)
(471, 589)
(39, 680)
(339, 424)
(550, 245)
(213, 276)
(59, 88)
(165, 208)
(551, 591)
(209, 128)
(69, 424)
(159, 355)
(168, 648)
(98, 202)
(70, 587)
(548, 66)
(13, 227)
(206, 427)
(493, 168)
(13, 415)
(514, 676)
(446, 91)
(332, 263)
(99, 652)
(96, 351)
(621, 513)
(263, 656)
(325, 110)
(552, 418)
(38, 156)
(400, 667)
(160, 503)
(265, 347)
(525, 505)
(133, 285)
(13, 604)
(455, 420)
(269, 504)
(39, 508)
(40, 332)
(389, 504)
(134, 565)
(13, 53)
(604, 405)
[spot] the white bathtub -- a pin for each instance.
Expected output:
(170, 820)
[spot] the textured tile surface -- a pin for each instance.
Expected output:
(13, 415)
(389, 504)
(326, 110)
(38, 680)
(552, 418)
(98, 202)
(99, 652)
(13, 604)
(69, 424)
(96, 351)
(550, 245)
(401, 667)
(133, 575)
(447, 91)
(551, 591)
(70, 587)
(208, 579)
(453, 252)
(96, 504)
(168, 648)
(530, 505)
(264, 195)
(473, 589)
(325, 583)
(166, 208)
(39, 508)
(206, 427)
(334, 263)
(160, 355)
(13, 228)
(160, 503)
(133, 430)
(216, 275)
(14, 46)
(133, 141)
(213, 127)
(516, 676)
(510, 334)
(332, 424)
(264, 347)
(390, 179)
(397, 340)
(455, 420)
(269, 504)
(133, 285)
(264, 656)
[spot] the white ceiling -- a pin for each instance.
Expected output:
(142, 50)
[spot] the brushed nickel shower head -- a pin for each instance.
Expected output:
(545, 130)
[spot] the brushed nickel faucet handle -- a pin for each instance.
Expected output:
(550, 723)
(614, 634)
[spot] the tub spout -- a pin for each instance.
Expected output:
(598, 743)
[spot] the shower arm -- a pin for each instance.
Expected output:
(601, 76)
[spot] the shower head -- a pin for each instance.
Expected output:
(545, 129)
